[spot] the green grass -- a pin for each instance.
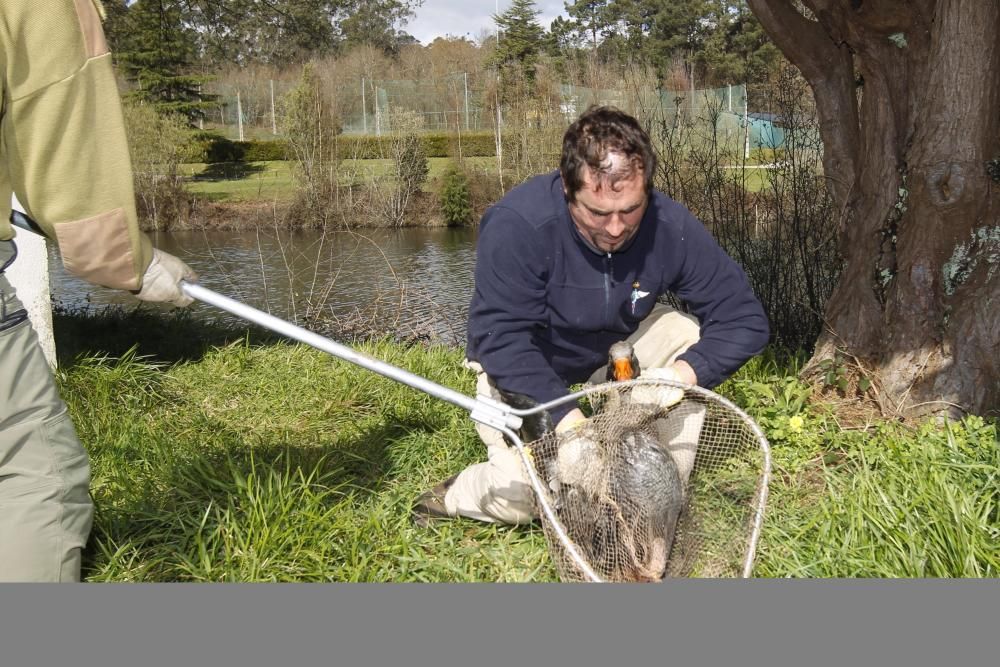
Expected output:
(280, 463)
(267, 181)
(754, 178)
(885, 501)
(274, 181)
(237, 458)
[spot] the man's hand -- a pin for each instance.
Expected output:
(161, 282)
(573, 418)
(684, 372)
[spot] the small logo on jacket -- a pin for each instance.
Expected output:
(636, 295)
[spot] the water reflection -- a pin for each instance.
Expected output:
(419, 281)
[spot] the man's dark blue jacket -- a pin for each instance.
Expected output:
(547, 305)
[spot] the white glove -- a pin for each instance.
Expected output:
(660, 395)
(161, 282)
(578, 458)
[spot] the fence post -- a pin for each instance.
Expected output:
(29, 276)
(239, 114)
(692, 92)
(274, 122)
(364, 106)
(466, 100)
(746, 124)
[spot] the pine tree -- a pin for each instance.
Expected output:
(156, 54)
(521, 39)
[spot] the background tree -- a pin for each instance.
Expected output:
(741, 49)
(285, 32)
(678, 31)
(590, 18)
(521, 39)
(374, 23)
(157, 145)
(115, 13)
(276, 32)
(908, 98)
(156, 53)
(628, 26)
(310, 123)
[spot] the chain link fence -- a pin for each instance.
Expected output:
(456, 103)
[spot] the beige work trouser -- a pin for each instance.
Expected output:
(45, 508)
(498, 489)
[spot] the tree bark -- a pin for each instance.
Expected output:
(906, 154)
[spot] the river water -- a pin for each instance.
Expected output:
(412, 282)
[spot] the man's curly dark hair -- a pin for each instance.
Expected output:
(599, 131)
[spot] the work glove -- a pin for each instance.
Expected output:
(161, 282)
(578, 459)
(660, 395)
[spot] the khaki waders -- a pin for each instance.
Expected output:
(45, 507)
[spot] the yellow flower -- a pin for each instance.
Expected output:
(795, 424)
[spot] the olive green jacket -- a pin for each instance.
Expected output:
(63, 149)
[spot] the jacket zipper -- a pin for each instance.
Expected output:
(607, 290)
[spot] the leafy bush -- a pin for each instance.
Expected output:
(264, 151)
(456, 199)
(411, 163)
(211, 148)
(311, 125)
(390, 195)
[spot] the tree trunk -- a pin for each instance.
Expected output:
(907, 142)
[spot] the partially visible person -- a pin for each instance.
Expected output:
(63, 152)
(570, 263)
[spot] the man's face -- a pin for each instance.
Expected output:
(607, 214)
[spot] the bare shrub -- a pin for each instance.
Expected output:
(157, 144)
(390, 194)
(773, 214)
(485, 188)
(309, 121)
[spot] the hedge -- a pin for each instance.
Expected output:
(209, 147)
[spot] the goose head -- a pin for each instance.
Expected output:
(622, 362)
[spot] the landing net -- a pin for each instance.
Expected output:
(643, 492)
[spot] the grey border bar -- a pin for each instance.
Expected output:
(718, 623)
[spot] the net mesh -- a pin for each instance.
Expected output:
(645, 492)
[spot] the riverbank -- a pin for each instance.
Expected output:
(250, 195)
(226, 455)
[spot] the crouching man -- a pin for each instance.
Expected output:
(573, 261)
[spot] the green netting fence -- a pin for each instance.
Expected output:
(459, 102)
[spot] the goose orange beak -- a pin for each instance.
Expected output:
(623, 370)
